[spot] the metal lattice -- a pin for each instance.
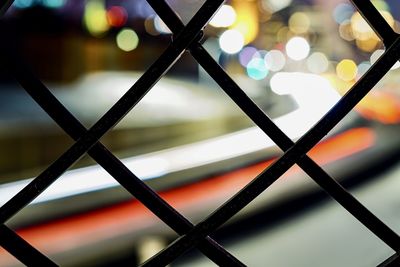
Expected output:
(187, 38)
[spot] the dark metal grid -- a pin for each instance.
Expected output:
(122, 174)
(187, 38)
(133, 184)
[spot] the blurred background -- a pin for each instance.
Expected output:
(89, 53)
(85, 48)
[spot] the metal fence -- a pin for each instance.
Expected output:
(187, 38)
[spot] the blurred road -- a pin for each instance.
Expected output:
(325, 235)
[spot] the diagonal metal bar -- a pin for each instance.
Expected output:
(40, 93)
(316, 172)
(126, 178)
(290, 157)
(340, 194)
(21, 249)
(4, 6)
(376, 21)
(214, 62)
(115, 114)
(392, 261)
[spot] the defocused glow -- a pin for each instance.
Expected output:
(313, 94)
(160, 26)
(377, 54)
(274, 27)
(256, 69)
(90, 179)
(346, 70)
(275, 5)
(363, 67)
(150, 245)
(275, 60)
(360, 27)
(362, 30)
(127, 40)
(297, 48)
(366, 39)
(247, 19)
(367, 45)
(246, 55)
(388, 17)
(22, 3)
(117, 16)
(299, 23)
(283, 34)
(150, 27)
(53, 3)
(380, 106)
(95, 18)
(225, 17)
(305, 88)
(159, 164)
(260, 54)
(345, 31)
(317, 63)
(343, 12)
(231, 41)
(380, 5)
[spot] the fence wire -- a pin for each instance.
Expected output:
(188, 38)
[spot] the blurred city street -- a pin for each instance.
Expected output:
(323, 235)
(208, 119)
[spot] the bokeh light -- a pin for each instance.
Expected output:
(317, 63)
(345, 31)
(380, 5)
(275, 60)
(360, 27)
(256, 69)
(362, 31)
(377, 54)
(283, 34)
(297, 48)
(53, 3)
(246, 55)
(368, 45)
(127, 39)
(231, 41)
(95, 18)
(117, 16)
(346, 70)
(299, 23)
(150, 27)
(260, 53)
(342, 12)
(23, 3)
(363, 67)
(275, 5)
(388, 17)
(160, 26)
(247, 19)
(225, 17)
(373, 41)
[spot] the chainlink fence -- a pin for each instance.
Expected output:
(188, 38)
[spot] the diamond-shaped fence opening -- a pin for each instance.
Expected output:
(188, 38)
